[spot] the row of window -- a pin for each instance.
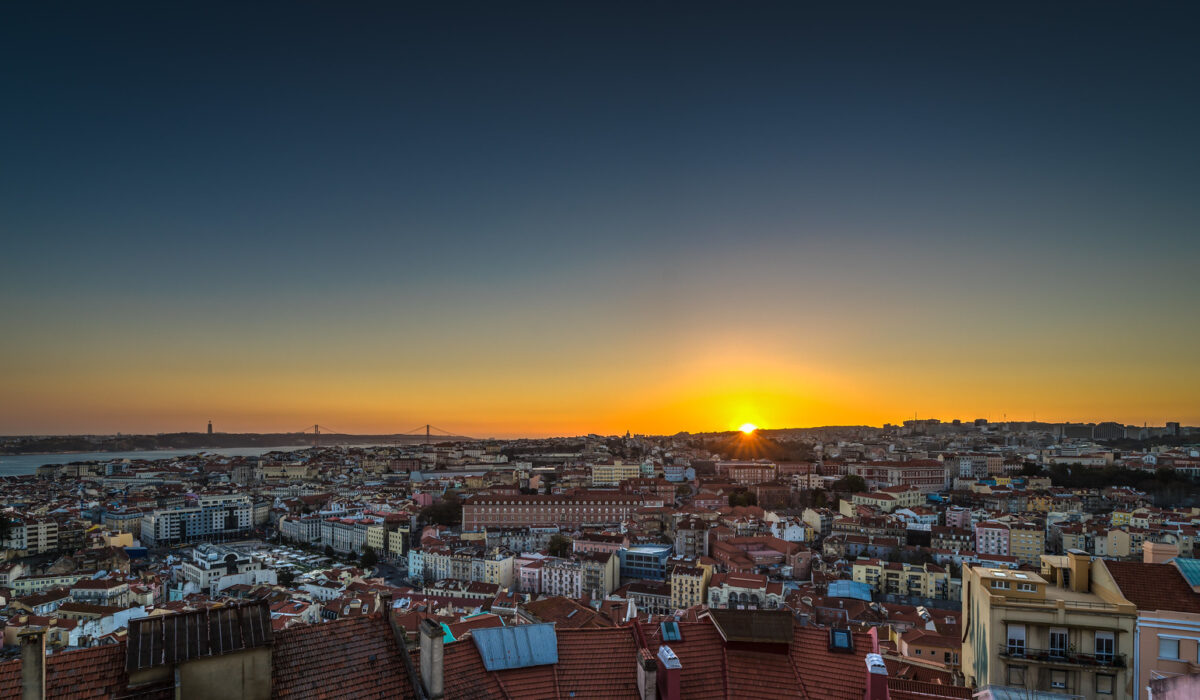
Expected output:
(1058, 680)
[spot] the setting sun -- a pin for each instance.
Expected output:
(748, 428)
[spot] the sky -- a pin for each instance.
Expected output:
(514, 219)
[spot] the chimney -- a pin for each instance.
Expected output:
(1080, 564)
(1158, 552)
(669, 669)
(647, 680)
(33, 664)
(432, 671)
(877, 679)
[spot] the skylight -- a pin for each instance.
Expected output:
(841, 640)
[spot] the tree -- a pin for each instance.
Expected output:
(329, 551)
(743, 498)
(369, 557)
(286, 577)
(447, 511)
(559, 546)
(852, 484)
(683, 491)
(1030, 469)
(819, 499)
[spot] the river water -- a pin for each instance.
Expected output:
(11, 465)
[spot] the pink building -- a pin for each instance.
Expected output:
(958, 517)
(529, 575)
(991, 538)
(601, 542)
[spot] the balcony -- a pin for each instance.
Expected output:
(1068, 658)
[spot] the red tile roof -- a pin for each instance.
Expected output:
(334, 660)
(1154, 586)
(96, 672)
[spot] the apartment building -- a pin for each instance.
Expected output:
(604, 475)
(27, 585)
(689, 585)
(210, 563)
(884, 502)
(495, 567)
(951, 538)
(747, 473)
(1027, 542)
(1049, 632)
(645, 561)
(124, 520)
(975, 465)
(896, 578)
(579, 509)
(32, 535)
(924, 475)
(601, 572)
(992, 537)
(562, 577)
(345, 535)
(306, 529)
(691, 537)
(744, 592)
(214, 517)
(819, 519)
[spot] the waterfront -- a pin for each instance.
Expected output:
(15, 465)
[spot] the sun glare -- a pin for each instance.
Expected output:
(748, 428)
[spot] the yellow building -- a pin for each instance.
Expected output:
(601, 572)
(1027, 542)
(885, 502)
(615, 473)
(397, 539)
(27, 585)
(1040, 503)
(377, 539)
(689, 585)
(1120, 518)
(1050, 632)
(895, 578)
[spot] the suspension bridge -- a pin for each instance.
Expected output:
(422, 434)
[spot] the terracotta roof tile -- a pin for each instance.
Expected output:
(96, 672)
(353, 657)
(1154, 586)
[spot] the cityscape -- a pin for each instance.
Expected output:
(599, 351)
(843, 561)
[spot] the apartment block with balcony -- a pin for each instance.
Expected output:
(1027, 542)
(1051, 632)
(689, 586)
(214, 517)
(895, 578)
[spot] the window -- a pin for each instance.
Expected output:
(1016, 639)
(1104, 647)
(1168, 648)
(1104, 685)
(1058, 679)
(1000, 584)
(1016, 675)
(1027, 587)
(1058, 641)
